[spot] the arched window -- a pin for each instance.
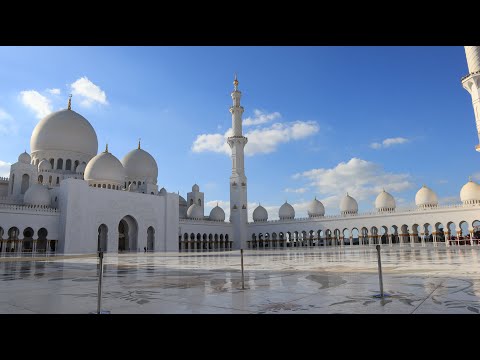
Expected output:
(58, 180)
(40, 179)
(59, 164)
(191, 201)
(109, 186)
(25, 183)
(200, 202)
(68, 165)
(50, 179)
(75, 164)
(104, 186)
(37, 161)
(51, 163)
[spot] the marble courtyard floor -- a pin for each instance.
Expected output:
(419, 280)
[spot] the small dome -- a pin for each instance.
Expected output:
(316, 208)
(105, 167)
(81, 168)
(286, 212)
(385, 201)
(182, 201)
(348, 205)
(37, 194)
(44, 165)
(24, 158)
(217, 214)
(64, 130)
(425, 197)
(195, 212)
(260, 214)
(140, 165)
(470, 193)
(162, 191)
(195, 188)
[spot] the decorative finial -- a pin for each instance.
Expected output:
(70, 102)
(217, 203)
(106, 147)
(235, 82)
(469, 178)
(315, 197)
(139, 139)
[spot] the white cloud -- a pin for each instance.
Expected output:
(297, 191)
(36, 102)
(88, 92)
(4, 168)
(260, 140)
(54, 91)
(260, 117)
(388, 142)
(7, 124)
(476, 176)
(360, 178)
(455, 199)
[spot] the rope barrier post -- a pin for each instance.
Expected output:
(382, 295)
(380, 277)
(243, 278)
(100, 279)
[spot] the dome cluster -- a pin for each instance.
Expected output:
(425, 198)
(69, 142)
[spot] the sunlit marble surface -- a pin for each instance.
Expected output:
(340, 280)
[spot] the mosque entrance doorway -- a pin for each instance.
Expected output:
(127, 234)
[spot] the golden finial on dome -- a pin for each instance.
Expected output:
(106, 148)
(139, 139)
(469, 178)
(235, 82)
(70, 102)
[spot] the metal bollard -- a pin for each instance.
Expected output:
(243, 278)
(100, 278)
(380, 276)
(380, 270)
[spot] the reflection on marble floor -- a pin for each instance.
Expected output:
(339, 280)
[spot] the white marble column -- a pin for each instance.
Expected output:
(422, 237)
(447, 238)
(390, 241)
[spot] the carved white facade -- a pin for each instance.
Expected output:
(66, 197)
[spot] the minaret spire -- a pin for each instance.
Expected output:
(471, 83)
(106, 147)
(238, 180)
(70, 102)
(139, 139)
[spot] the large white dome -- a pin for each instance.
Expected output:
(425, 197)
(348, 205)
(470, 193)
(195, 212)
(105, 168)
(37, 194)
(385, 202)
(140, 166)
(260, 214)
(316, 208)
(286, 211)
(64, 130)
(217, 214)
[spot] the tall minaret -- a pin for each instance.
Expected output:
(238, 180)
(471, 83)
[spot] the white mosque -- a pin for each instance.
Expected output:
(65, 197)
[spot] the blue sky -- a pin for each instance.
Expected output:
(323, 120)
